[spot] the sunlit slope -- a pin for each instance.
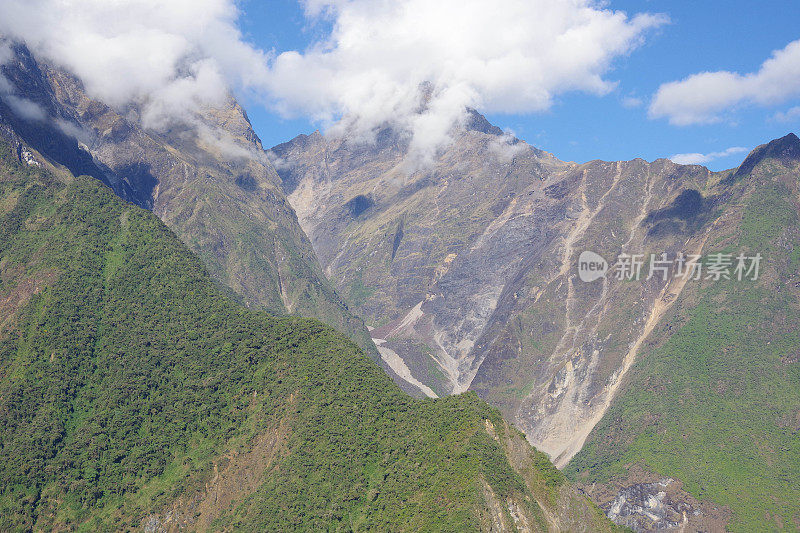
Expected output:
(714, 397)
(134, 394)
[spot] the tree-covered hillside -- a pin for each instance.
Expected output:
(134, 394)
(226, 208)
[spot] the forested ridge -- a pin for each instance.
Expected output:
(132, 388)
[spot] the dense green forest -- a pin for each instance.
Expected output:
(134, 393)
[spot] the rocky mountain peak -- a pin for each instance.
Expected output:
(477, 122)
(786, 150)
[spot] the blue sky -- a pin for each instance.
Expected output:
(731, 35)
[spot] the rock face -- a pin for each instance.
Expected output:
(209, 181)
(712, 399)
(467, 272)
(644, 501)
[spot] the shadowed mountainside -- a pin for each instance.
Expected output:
(207, 179)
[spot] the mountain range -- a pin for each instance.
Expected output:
(467, 273)
(135, 394)
(137, 390)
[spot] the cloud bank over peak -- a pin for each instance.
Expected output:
(384, 59)
(414, 64)
(702, 98)
(170, 57)
(702, 159)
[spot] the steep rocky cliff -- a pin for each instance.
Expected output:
(712, 400)
(467, 270)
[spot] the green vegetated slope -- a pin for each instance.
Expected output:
(134, 394)
(211, 184)
(714, 398)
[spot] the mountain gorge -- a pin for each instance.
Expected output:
(136, 395)
(466, 270)
(156, 374)
(467, 273)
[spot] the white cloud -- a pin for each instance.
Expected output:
(5, 52)
(631, 102)
(789, 115)
(5, 56)
(167, 56)
(24, 108)
(701, 98)
(384, 59)
(73, 130)
(5, 86)
(702, 159)
(414, 63)
(227, 146)
(506, 147)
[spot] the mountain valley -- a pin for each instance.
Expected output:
(467, 273)
(198, 333)
(136, 395)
